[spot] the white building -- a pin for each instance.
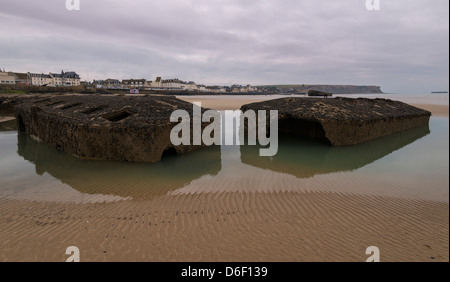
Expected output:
(236, 88)
(219, 89)
(191, 86)
(40, 79)
(134, 83)
(70, 79)
(108, 84)
(53, 79)
(7, 78)
(173, 84)
(157, 83)
(248, 88)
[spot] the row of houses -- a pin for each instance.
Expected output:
(169, 85)
(39, 79)
(73, 79)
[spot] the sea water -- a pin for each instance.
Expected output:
(413, 164)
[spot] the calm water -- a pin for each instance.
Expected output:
(413, 164)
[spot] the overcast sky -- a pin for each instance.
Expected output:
(403, 47)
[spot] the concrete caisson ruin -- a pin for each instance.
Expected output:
(115, 128)
(342, 121)
(315, 93)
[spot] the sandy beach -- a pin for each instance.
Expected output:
(234, 103)
(241, 213)
(227, 227)
(436, 110)
(225, 102)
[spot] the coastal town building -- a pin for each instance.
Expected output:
(191, 86)
(157, 83)
(57, 79)
(15, 78)
(134, 83)
(40, 79)
(179, 85)
(22, 78)
(236, 88)
(54, 79)
(7, 78)
(113, 83)
(243, 89)
(69, 79)
(108, 84)
(73, 79)
(247, 89)
(216, 89)
(173, 84)
(98, 83)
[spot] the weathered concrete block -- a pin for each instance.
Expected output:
(104, 127)
(342, 121)
(316, 93)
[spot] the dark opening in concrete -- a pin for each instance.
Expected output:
(299, 127)
(20, 124)
(93, 110)
(169, 153)
(70, 106)
(118, 116)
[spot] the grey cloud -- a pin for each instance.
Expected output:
(238, 41)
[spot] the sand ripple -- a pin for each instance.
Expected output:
(228, 226)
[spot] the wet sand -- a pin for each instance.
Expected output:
(228, 227)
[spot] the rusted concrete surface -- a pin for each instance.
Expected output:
(104, 127)
(342, 121)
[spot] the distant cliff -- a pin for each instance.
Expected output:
(335, 89)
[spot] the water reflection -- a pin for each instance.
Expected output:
(136, 180)
(305, 158)
(212, 169)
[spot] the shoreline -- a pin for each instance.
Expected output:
(234, 102)
(222, 104)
